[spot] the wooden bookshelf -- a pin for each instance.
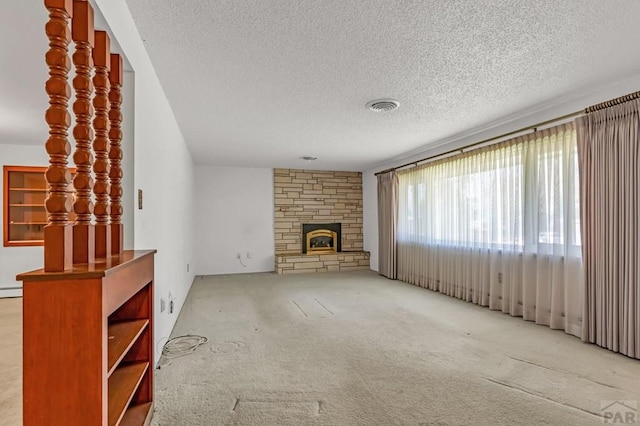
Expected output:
(88, 343)
(88, 314)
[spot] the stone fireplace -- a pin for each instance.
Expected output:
(321, 238)
(318, 221)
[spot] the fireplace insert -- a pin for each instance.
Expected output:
(321, 238)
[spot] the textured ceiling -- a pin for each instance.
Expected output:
(261, 83)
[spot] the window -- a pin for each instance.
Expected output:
(520, 195)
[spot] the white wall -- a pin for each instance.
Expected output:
(129, 194)
(234, 214)
(15, 260)
(163, 170)
(510, 122)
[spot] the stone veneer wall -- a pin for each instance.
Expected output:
(311, 196)
(303, 263)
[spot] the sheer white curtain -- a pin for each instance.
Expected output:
(499, 227)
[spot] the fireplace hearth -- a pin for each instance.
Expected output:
(321, 238)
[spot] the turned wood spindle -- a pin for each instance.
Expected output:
(115, 153)
(102, 62)
(83, 36)
(58, 236)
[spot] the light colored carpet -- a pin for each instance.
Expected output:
(11, 361)
(357, 349)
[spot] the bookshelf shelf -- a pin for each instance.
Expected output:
(24, 217)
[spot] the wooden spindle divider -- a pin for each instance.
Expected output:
(58, 234)
(102, 61)
(91, 315)
(115, 153)
(83, 35)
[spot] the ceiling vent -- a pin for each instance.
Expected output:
(383, 105)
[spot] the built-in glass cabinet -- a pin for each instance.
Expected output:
(24, 214)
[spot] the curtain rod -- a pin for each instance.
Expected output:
(613, 102)
(602, 105)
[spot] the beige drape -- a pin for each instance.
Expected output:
(609, 150)
(387, 222)
(498, 227)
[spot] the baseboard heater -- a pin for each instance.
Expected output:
(14, 291)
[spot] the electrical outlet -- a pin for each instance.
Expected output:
(163, 305)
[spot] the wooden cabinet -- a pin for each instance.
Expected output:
(88, 343)
(24, 215)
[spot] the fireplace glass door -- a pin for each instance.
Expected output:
(321, 240)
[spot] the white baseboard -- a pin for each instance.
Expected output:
(10, 292)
